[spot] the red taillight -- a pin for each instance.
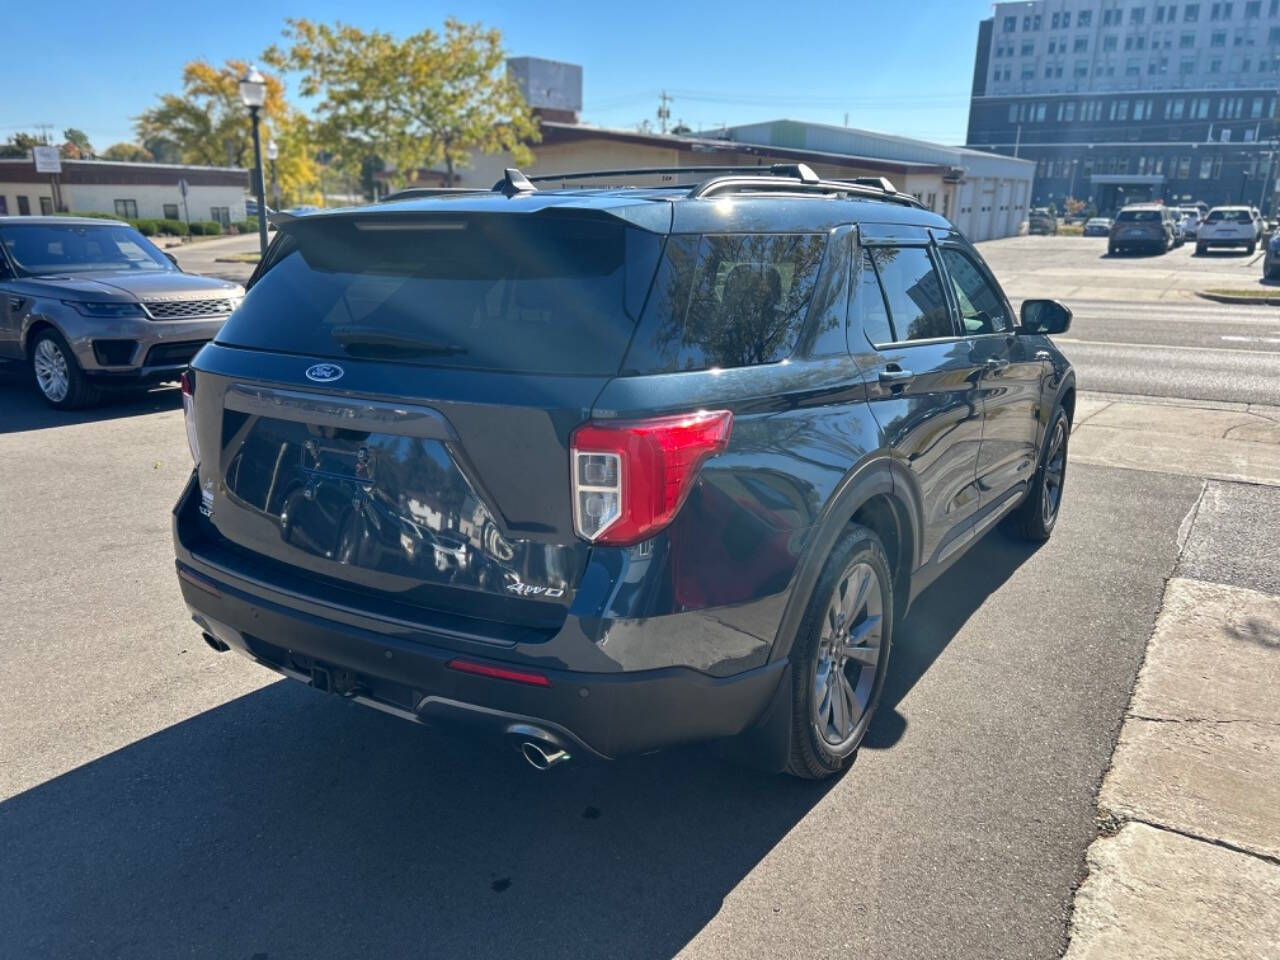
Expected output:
(188, 413)
(499, 673)
(631, 478)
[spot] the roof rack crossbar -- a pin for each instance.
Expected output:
(741, 184)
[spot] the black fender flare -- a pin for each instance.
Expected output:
(880, 474)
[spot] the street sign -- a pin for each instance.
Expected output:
(47, 159)
(182, 186)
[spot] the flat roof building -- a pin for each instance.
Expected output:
(1141, 101)
(129, 190)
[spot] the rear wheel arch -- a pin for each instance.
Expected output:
(871, 495)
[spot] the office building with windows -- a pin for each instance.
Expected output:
(1124, 100)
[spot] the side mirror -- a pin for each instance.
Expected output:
(1044, 317)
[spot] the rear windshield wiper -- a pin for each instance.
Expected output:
(358, 339)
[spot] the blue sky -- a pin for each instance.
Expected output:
(903, 68)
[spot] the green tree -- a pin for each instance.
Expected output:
(127, 151)
(77, 145)
(208, 124)
(427, 100)
(20, 145)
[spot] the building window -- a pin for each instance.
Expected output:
(1186, 68)
(171, 211)
(1253, 10)
(1218, 38)
(1081, 45)
(1085, 17)
(1224, 135)
(1136, 15)
(1028, 73)
(1215, 66)
(1082, 70)
(1056, 22)
(1109, 43)
(1028, 48)
(221, 214)
(46, 206)
(1133, 69)
(1191, 13)
(1206, 168)
(1013, 113)
(1255, 108)
(1273, 36)
(1187, 40)
(24, 207)
(1010, 24)
(1066, 19)
(1040, 111)
(127, 209)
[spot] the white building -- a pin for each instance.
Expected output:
(133, 190)
(986, 195)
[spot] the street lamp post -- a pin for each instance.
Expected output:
(273, 152)
(253, 94)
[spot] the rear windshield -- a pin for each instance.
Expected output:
(1137, 216)
(526, 294)
(1229, 216)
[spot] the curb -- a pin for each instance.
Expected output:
(1232, 298)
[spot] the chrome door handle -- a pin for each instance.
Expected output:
(995, 364)
(896, 377)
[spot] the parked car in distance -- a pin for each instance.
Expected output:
(1271, 261)
(1235, 226)
(1097, 227)
(1143, 226)
(1042, 221)
(92, 305)
(601, 471)
(1190, 218)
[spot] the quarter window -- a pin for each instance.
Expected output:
(982, 309)
(868, 300)
(917, 306)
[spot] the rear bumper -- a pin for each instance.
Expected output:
(607, 715)
(1226, 241)
(403, 668)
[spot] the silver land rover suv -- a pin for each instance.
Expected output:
(93, 305)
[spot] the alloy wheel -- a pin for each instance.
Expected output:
(849, 650)
(52, 375)
(1055, 468)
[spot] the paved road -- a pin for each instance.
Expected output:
(202, 257)
(161, 800)
(1124, 341)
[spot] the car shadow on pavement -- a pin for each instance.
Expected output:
(21, 407)
(291, 823)
(935, 618)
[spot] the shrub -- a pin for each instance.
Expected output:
(148, 228)
(205, 228)
(247, 226)
(175, 228)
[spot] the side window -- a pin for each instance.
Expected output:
(734, 300)
(917, 304)
(868, 303)
(982, 309)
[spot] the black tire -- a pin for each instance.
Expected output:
(1111, 249)
(1252, 247)
(46, 351)
(814, 754)
(1200, 249)
(1037, 515)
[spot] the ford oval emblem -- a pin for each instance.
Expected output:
(324, 372)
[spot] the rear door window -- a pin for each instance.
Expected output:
(869, 306)
(913, 290)
(727, 300)
(522, 294)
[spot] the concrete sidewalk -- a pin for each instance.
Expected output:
(1201, 438)
(1188, 861)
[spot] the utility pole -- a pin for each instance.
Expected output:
(664, 111)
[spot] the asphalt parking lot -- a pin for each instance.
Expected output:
(160, 800)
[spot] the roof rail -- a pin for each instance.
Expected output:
(412, 193)
(777, 177)
(513, 183)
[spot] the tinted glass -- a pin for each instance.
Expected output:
(1138, 216)
(869, 306)
(982, 309)
(75, 248)
(917, 305)
(1229, 216)
(554, 295)
(727, 300)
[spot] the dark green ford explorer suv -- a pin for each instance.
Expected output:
(603, 470)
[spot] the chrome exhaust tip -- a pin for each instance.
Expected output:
(541, 749)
